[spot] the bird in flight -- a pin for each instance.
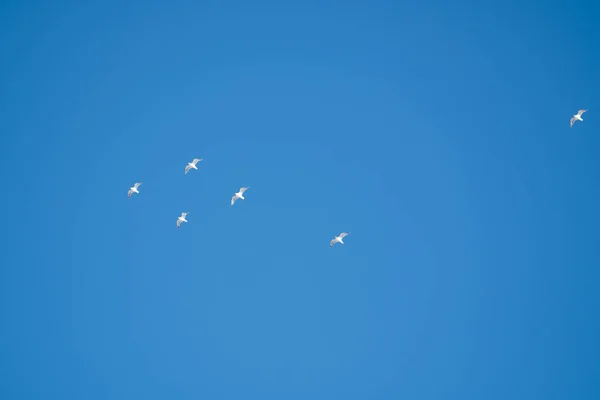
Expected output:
(192, 165)
(182, 219)
(238, 195)
(134, 189)
(577, 117)
(338, 239)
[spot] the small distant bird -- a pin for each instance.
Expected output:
(181, 219)
(238, 195)
(192, 165)
(134, 189)
(577, 117)
(338, 239)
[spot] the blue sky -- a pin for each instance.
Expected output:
(437, 133)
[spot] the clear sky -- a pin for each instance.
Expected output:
(437, 133)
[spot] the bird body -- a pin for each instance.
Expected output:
(192, 165)
(182, 219)
(338, 239)
(239, 195)
(577, 117)
(134, 189)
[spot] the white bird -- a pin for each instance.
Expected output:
(182, 219)
(577, 117)
(134, 189)
(192, 165)
(238, 195)
(338, 239)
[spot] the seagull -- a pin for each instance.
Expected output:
(577, 117)
(181, 219)
(238, 195)
(338, 239)
(134, 189)
(192, 165)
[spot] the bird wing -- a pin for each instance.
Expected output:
(242, 190)
(129, 193)
(332, 242)
(178, 223)
(183, 215)
(195, 161)
(233, 199)
(572, 121)
(580, 112)
(137, 185)
(187, 168)
(343, 235)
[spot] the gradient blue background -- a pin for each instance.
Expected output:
(437, 133)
